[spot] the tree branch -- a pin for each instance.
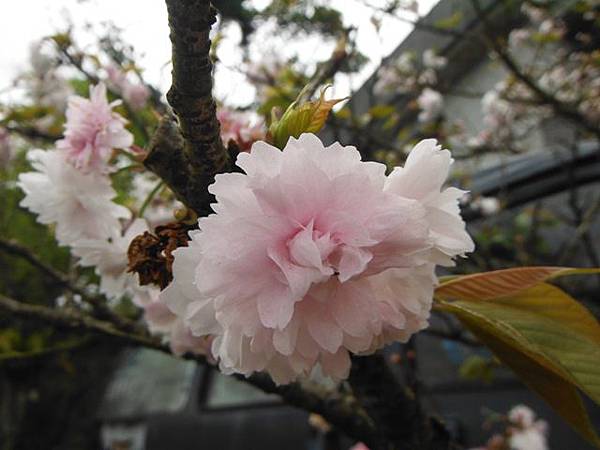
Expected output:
(418, 24)
(32, 134)
(166, 158)
(401, 423)
(340, 410)
(191, 98)
(560, 108)
(74, 319)
(98, 303)
(327, 69)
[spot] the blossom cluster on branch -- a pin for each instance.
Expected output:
(70, 189)
(311, 253)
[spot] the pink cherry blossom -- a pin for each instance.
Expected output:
(399, 77)
(312, 254)
(134, 94)
(108, 256)
(431, 104)
(528, 439)
(44, 83)
(527, 432)
(432, 60)
(162, 321)
(79, 204)
(244, 128)
(522, 416)
(422, 178)
(93, 130)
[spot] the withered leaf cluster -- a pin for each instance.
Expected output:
(151, 254)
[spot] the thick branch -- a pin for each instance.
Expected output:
(401, 423)
(342, 411)
(166, 158)
(190, 97)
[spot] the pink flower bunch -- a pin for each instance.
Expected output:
(244, 128)
(313, 254)
(134, 94)
(397, 77)
(93, 130)
(79, 204)
(162, 321)
(70, 188)
(431, 104)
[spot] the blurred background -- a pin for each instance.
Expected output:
(511, 87)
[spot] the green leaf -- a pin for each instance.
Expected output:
(486, 285)
(308, 117)
(381, 111)
(560, 395)
(549, 339)
(477, 368)
(450, 22)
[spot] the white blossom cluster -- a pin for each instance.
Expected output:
(405, 76)
(70, 188)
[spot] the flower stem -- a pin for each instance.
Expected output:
(149, 198)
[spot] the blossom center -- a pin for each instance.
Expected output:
(311, 248)
(326, 255)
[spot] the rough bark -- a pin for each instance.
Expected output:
(190, 165)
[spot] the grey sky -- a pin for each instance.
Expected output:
(145, 25)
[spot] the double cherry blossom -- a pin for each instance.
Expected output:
(313, 254)
(70, 189)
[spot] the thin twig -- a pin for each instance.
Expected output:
(13, 248)
(75, 62)
(150, 197)
(418, 24)
(560, 108)
(42, 353)
(75, 319)
(32, 133)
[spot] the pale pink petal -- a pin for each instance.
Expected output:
(336, 365)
